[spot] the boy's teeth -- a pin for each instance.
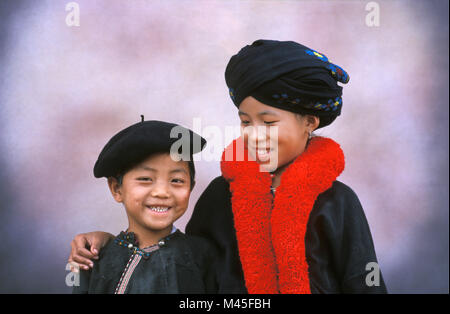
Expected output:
(159, 209)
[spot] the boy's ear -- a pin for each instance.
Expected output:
(116, 189)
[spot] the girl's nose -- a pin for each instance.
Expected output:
(256, 135)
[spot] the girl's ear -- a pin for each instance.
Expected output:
(312, 122)
(116, 189)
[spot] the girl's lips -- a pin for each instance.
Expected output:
(261, 155)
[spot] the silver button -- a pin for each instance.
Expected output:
(130, 246)
(161, 243)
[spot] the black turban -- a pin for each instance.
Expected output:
(289, 76)
(137, 142)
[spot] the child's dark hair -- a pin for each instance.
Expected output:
(191, 166)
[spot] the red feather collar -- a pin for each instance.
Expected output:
(271, 239)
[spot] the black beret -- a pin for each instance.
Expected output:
(137, 142)
(289, 76)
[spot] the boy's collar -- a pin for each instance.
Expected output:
(128, 240)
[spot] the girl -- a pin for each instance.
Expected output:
(292, 228)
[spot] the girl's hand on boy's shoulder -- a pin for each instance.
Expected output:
(86, 246)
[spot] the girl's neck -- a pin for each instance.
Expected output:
(276, 175)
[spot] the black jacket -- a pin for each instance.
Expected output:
(179, 264)
(338, 241)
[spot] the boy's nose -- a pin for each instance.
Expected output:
(160, 190)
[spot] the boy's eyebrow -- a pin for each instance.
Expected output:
(171, 171)
(148, 168)
(178, 170)
(241, 113)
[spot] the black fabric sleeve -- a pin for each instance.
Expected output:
(210, 272)
(213, 219)
(210, 276)
(340, 246)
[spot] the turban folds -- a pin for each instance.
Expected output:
(289, 76)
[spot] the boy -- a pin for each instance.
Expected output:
(151, 256)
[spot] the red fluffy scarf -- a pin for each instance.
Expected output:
(271, 236)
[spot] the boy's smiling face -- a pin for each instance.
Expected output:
(155, 193)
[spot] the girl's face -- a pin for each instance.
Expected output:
(155, 193)
(266, 144)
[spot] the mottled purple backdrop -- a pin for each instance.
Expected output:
(64, 91)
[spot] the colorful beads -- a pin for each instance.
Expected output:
(331, 105)
(316, 54)
(338, 73)
(231, 92)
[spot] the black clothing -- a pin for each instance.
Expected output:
(177, 264)
(338, 241)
